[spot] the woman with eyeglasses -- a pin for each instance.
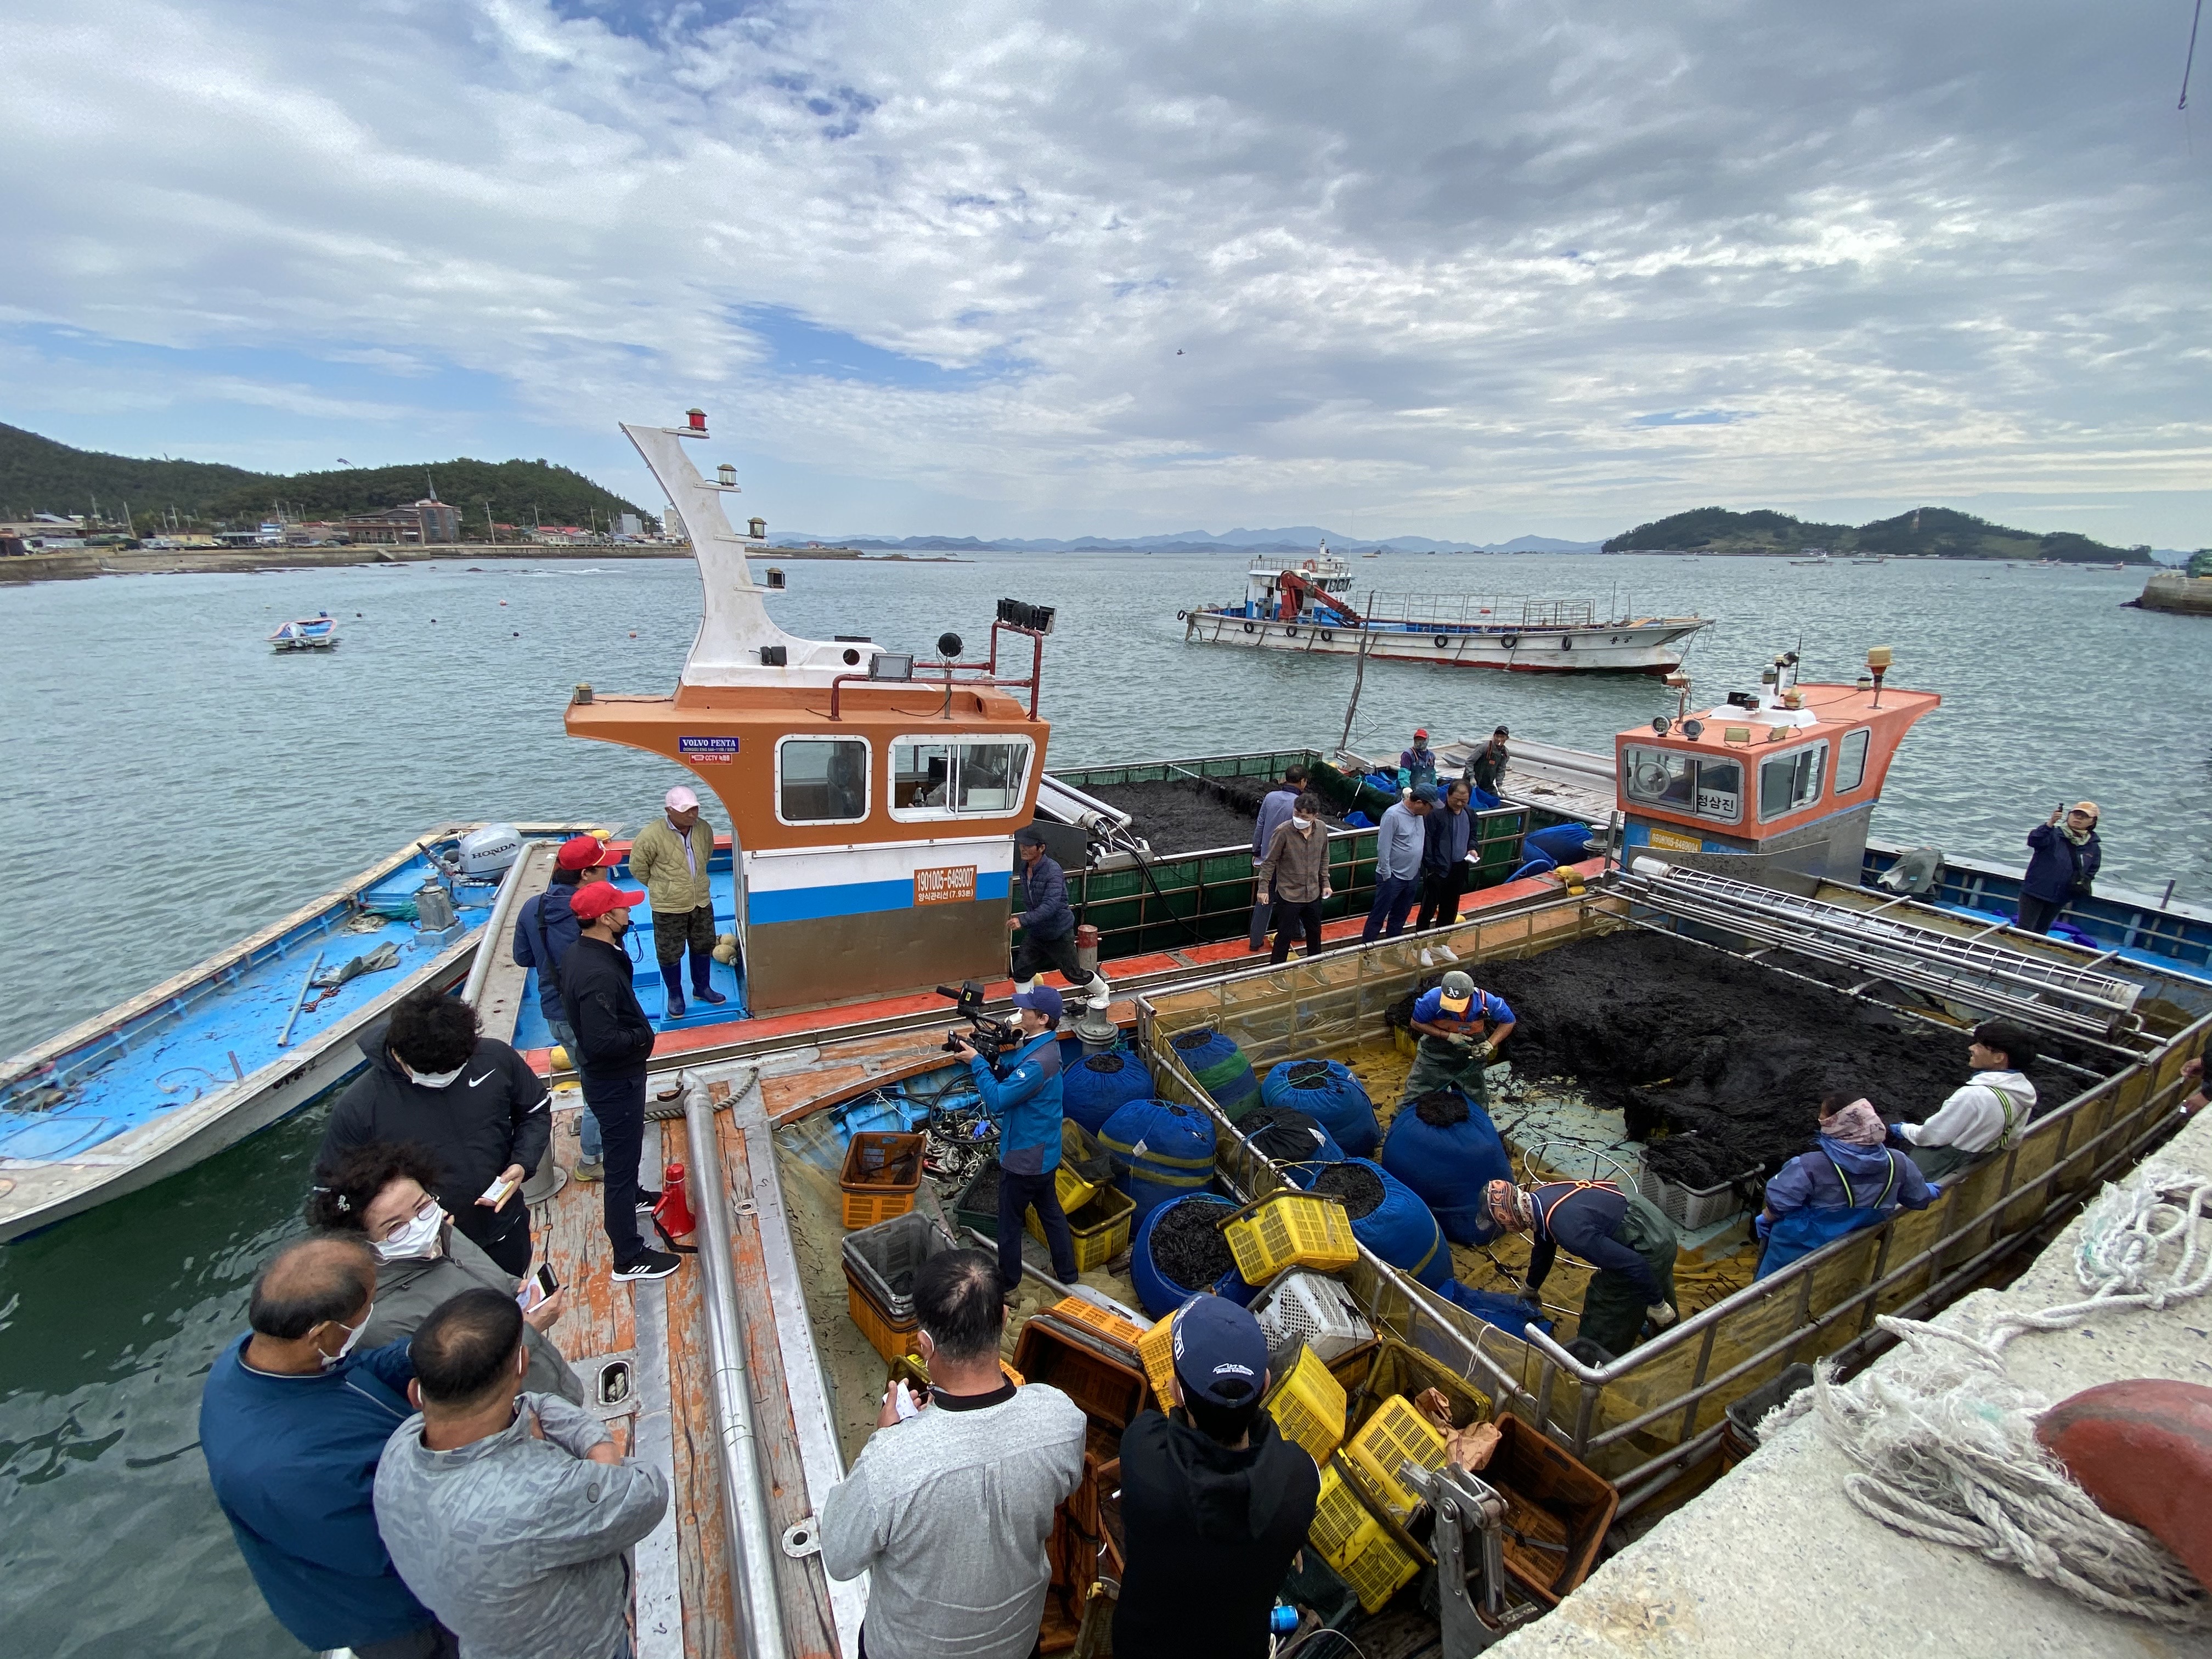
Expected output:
(381, 1193)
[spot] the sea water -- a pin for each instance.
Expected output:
(174, 784)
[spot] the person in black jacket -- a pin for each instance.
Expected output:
(1215, 1500)
(614, 1041)
(1047, 921)
(471, 1101)
(1448, 833)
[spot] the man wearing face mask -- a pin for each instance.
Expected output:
(294, 1419)
(511, 1513)
(381, 1193)
(614, 1042)
(471, 1102)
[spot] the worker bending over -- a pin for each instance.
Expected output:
(1461, 1027)
(1989, 1114)
(1621, 1235)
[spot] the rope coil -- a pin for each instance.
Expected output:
(1945, 1440)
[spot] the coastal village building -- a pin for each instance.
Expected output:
(423, 522)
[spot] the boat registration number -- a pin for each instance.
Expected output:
(1669, 841)
(952, 884)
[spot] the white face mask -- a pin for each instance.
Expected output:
(332, 1361)
(420, 1239)
(1302, 823)
(432, 1079)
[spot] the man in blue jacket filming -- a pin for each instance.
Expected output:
(1022, 1090)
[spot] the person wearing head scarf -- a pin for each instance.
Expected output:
(2063, 857)
(1850, 1179)
(1621, 1235)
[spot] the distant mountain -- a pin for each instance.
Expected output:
(38, 475)
(1294, 538)
(1926, 530)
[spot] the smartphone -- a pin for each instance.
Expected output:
(536, 1288)
(546, 1282)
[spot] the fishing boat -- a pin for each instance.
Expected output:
(1816, 556)
(317, 633)
(225, 1048)
(1308, 606)
(873, 797)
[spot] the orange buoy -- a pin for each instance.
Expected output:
(674, 1212)
(2143, 1449)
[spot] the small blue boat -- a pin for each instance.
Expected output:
(206, 1058)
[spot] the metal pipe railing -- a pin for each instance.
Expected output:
(503, 905)
(749, 1536)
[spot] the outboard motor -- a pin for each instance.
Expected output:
(484, 855)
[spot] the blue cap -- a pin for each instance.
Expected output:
(1220, 1354)
(1043, 999)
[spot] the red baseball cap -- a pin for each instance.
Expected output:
(1420, 731)
(594, 901)
(583, 853)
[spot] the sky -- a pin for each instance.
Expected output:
(1466, 269)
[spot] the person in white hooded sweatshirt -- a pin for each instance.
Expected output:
(1989, 1114)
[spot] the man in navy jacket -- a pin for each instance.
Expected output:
(1047, 921)
(543, 930)
(291, 1423)
(1621, 1235)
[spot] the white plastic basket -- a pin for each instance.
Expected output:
(1312, 1309)
(1690, 1209)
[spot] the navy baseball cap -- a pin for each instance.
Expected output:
(1220, 1354)
(1044, 1000)
(1426, 795)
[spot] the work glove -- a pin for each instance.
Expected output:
(1661, 1316)
(1460, 1039)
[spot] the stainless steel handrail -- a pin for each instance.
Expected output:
(750, 1538)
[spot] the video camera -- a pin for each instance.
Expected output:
(988, 1037)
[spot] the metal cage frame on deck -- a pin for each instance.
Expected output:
(1657, 1413)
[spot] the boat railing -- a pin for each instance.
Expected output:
(1480, 610)
(1657, 1413)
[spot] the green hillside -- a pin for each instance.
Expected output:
(38, 475)
(1926, 530)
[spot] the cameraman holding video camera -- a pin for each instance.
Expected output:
(1022, 1090)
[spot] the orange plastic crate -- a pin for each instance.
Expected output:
(881, 1175)
(1110, 1392)
(1074, 1310)
(1156, 1351)
(885, 1336)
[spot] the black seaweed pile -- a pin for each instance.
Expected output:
(1193, 814)
(1188, 1244)
(1724, 1062)
(1359, 1189)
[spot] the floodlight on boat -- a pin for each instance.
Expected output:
(1016, 613)
(890, 666)
(726, 475)
(949, 645)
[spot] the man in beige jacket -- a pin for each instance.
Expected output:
(670, 857)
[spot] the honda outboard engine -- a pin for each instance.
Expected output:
(485, 853)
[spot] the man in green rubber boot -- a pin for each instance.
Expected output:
(1461, 1027)
(1622, 1235)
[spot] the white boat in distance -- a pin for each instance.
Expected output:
(1308, 605)
(317, 633)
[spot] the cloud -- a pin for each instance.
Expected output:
(1430, 267)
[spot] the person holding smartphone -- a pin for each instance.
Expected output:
(381, 1194)
(471, 1101)
(2063, 858)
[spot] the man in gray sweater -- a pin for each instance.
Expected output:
(510, 1514)
(949, 1507)
(1399, 841)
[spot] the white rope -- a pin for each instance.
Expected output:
(1945, 1441)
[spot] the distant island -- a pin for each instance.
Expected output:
(1926, 531)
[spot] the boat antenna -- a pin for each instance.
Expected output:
(2189, 61)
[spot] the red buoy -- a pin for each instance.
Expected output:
(674, 1212)
(2143, 1449)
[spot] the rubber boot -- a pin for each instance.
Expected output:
(702, 978)
(672, 977)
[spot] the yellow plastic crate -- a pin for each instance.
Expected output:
(1291, 1229)
(1365, 1555)
(1099, 1230)
(1074, 1191)
(1308, 1405)
(1396, 1435)
(1157, 1353)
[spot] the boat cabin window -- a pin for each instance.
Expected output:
(1850, 759)
(821, 780)
(933, 778)
(1704, 785)
(1789, 782)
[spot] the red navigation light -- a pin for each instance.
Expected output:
(698, 420)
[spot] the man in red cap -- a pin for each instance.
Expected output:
(1417, 766)
(614, 1041)
(544, 931)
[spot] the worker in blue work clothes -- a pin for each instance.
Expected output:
(1046, 921)
(1460, 1027)
(1416, 762)
(1621, 1235)
(1850, 1180)
(1022, 1090)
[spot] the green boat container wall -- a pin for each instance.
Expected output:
(1197, 898)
